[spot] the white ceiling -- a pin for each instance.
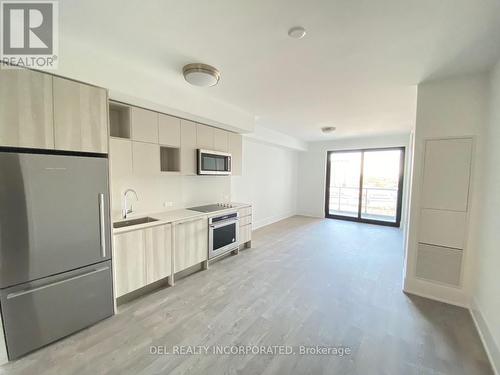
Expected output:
(356, 69)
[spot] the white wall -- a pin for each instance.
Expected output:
(486, 243)
(269, 181)
(312, 168)
(451, 107)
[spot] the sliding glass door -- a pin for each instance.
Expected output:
(365, 185)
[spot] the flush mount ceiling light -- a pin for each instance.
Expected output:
(201, 74)
(328, 129)
(297, 32)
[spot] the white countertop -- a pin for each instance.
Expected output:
(172, 216)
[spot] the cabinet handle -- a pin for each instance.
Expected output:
(29, 291)
(102, 226)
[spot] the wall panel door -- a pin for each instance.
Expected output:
(446, 174)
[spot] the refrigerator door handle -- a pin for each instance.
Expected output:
(29, 291)
(102, 226)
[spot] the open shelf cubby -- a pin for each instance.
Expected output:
(119, 120)
(170, 159)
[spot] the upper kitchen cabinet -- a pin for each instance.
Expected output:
(80, 116)
(145, 158)
(119, 120)
(235, 149)
(120, 157)
(169, 130)
(221, 139)
(188, 147)
(26, 118)
(205, 136)
(144, 125)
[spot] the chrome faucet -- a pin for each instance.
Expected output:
(126, 210)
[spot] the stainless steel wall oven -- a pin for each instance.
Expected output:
(223, 234)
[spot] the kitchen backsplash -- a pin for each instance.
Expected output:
(169, 192)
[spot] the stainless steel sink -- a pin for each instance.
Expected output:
(128, 223)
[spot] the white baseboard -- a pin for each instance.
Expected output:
(489, 343)
(311, 214)
(271, 219)
(457, 297)
(437, 292)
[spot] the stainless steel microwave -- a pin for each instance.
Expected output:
(213, 162)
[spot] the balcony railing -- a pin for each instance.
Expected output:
(377, 203)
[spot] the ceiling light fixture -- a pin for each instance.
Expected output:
(328, 129)
(201, 74)
(297, 32)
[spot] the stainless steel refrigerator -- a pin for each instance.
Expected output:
(55, 246)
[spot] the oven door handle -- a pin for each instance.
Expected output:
(223, 223)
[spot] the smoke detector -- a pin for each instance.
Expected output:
(297, 32)
(328, 129)
(201, 75)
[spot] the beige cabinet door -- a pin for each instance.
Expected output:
(169, 130)
(235, 149)
(145, 158)
(144, 125)
(158, 252)
(120, 157)
(129, 262)
(245, 233)
(191, 243)
(26, 118)
(221, 140)
(188, 148)
(205, 137)
(80, 117)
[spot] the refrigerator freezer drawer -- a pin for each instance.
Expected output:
(40, 312)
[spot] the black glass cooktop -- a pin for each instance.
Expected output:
(211, 207)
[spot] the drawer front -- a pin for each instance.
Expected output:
(40, 312)
(245, 211)
(245, 233)
(245, 220)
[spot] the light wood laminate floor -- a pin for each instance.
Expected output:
(305, 282)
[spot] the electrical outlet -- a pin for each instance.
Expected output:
(168, 204)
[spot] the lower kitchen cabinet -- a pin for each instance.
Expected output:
(191, 243)
(245, 225)
(142, 257)
(129, 262)
(245, 233)
(158, 252)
